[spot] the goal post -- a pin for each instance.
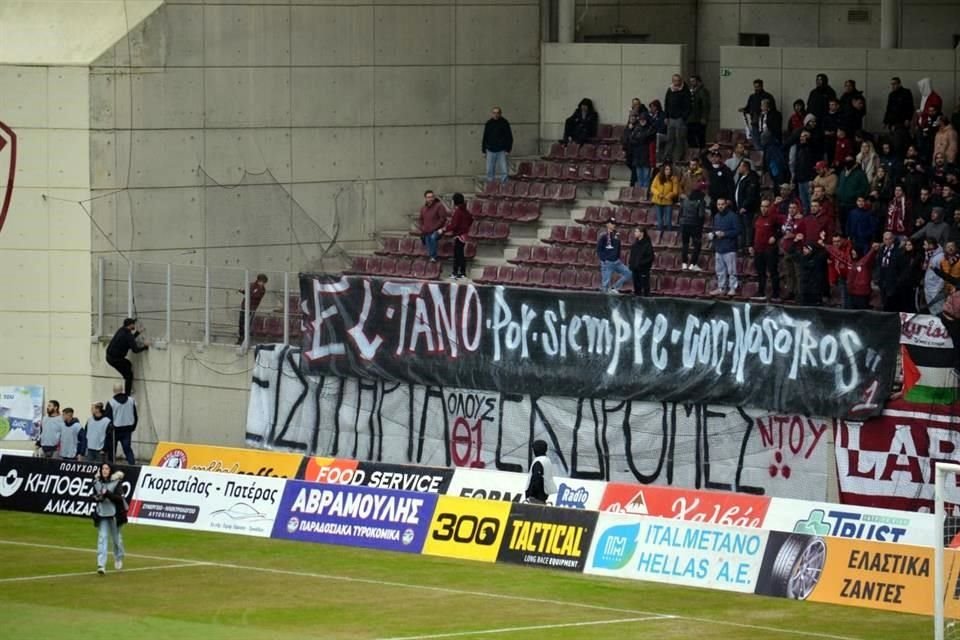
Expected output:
(946, 529)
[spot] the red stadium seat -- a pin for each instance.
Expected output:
(586, 173)
(555, 171)
(419, 269)
(527, 211)
(501, 231)
(604, 131)
(536, 191)
(488, 276)
(570, 256)
(592, 214)
(625, 196)
(520, 275)
(639, 216)
(520, 189)
(698, 287)
(568, 193)
(404, 267)
(540, 254)
(373, 264)
(555, 255)
(524, 169)
(569, 279)
(524, 254)
(587, 257)
(509, 189)
(470, 250)
(551, 278)
(584, 279)
(358, 265)
(535, 277)
(490, 190)
(390, 245)
(682, 287)
(475, 206)
(490, 209)
(558, 233)
(666, 285)
(388, 266)
(601, 173)
(552, 192)
(572, 151)
(588, 153)
(574, 234)
(539, 170)
(556, 152)
(432, 270)
(505, 210)
(571, 172)
(623, 216)
(590, 237)
(505, 275)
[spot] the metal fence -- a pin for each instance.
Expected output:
(188, 303)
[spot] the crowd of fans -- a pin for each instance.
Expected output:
(825, 208)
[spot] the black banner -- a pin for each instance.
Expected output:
(820, 362)
(548, 537)
(57, 487)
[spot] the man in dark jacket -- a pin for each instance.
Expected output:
(720, 183)
(540, 482)
(124, 341)
(676, 109)
(891, 265)
(122, 411)
(726, 229)
(898, 114)
(693, 212)
(497, 144)
(746, 197)
(699, 113)
(752, 108)
(641, 261)
(805, 162)
(820, 97)
(582, 125)
(812, 267)
(852, 183)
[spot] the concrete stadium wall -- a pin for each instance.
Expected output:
(791, 73)
(707, 25)
(45, 242)
(186, 394)
(609, 74)
(339, 117)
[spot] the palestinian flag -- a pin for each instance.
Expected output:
(929, 369)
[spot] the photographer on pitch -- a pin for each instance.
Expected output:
(540, 484)
(124, 341)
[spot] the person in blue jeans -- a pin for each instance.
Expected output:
(433, 218)
(608, 250)
(497, 145)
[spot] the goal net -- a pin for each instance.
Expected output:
(946, 602)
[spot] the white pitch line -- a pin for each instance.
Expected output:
(51, 576)
(539, 627)
(463, 592)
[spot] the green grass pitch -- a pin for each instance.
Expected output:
(178, 584)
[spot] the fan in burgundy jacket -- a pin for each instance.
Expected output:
(459, 227)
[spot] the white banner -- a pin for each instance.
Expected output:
(691, 446)
(206, 501)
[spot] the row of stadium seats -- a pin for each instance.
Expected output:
(518, 211)
(419, 268)
(559, 255)
(573, 152)
(565, 171)
(581, 234)
(555, 192)
(413, 247)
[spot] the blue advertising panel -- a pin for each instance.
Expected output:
(355, 516)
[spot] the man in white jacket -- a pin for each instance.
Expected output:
(932, 283)
(540, 483)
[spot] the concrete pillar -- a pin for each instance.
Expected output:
(566, 20)
(889, 24)
(545, 20)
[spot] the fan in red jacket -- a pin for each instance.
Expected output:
(459, 228)
(859, 276)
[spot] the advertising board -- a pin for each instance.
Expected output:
(688, 553)
(201, 457)
(548, 537)
(467, 529)
(354, 516)
(57, 487)
(206, 501)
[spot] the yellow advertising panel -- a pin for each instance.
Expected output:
(201, 457)
(467, 529)
(893, 577)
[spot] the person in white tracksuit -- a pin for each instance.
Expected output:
(540, 483)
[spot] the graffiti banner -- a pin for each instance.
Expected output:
(689, 446)
(811, 361)
(888, 461)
